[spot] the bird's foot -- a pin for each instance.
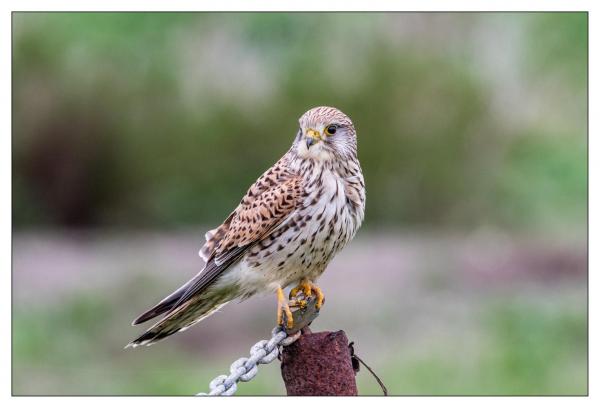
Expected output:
(320, 296)
(283, 307)
(307, 288)
(303, 287)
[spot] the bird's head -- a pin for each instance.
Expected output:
(325, 134)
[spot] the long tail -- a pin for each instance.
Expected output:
(184, 316)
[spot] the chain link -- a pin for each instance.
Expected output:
(245, 369)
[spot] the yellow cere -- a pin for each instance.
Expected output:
(314, 134)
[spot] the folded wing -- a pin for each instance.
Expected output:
(266, 205)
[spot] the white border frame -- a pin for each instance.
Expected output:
(305, 5)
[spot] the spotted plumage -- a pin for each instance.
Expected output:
(290, 224)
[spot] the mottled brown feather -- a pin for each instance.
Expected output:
(260, 215)
(265, 206)
(213, 238)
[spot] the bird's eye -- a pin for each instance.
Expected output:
(331, 129)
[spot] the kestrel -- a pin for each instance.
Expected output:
(290, 224)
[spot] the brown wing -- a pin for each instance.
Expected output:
(266, 205)
(258, 215)
(214, 237)
(255, 218)
(272, 197)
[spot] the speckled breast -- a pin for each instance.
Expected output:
(308, 241)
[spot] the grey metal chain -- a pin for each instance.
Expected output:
(246, 368)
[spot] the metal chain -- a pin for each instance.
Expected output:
(246, 368)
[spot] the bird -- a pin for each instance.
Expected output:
(285, 231)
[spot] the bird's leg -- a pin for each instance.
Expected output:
(283, 307)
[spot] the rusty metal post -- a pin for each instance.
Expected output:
(318, 364)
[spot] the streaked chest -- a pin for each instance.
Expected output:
(329, 213)
(324, 222)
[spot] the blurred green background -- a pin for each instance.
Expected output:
(134, 133)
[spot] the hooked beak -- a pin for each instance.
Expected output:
(312, 137)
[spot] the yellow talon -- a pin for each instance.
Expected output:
(307, 288)
(294, 292)
(283, 307)
(304, 286)
(320, 296)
